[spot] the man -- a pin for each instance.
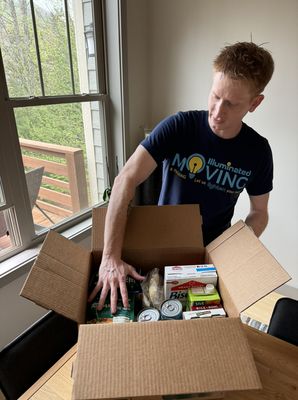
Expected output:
(208, 159)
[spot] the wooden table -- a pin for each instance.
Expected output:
(261, 311)
(276, 361)
(56, 383)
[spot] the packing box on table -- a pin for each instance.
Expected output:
(167, 358)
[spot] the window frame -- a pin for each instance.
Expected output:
(11, 165)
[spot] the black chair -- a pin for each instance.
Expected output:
(31, 354)
(284, 320)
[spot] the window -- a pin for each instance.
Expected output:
(52, 116)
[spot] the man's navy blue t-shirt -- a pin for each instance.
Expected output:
(201, 168)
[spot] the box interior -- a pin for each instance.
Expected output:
(155, 236)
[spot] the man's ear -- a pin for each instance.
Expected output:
(256, 102)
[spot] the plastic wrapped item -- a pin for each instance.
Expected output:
(152, 286)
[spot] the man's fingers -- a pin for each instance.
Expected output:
(135, 275)
(95, 291)
(114, 298)
(103, 295)
(124, 295)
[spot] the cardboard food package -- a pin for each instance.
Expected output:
(201, 358)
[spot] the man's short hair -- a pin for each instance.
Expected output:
(246, 61)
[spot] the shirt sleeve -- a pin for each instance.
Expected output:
(161, 141)
(263, 178)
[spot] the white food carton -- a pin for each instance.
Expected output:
(179, 278)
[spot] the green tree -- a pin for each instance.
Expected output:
(60, 124)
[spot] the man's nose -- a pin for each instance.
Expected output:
(219, 110)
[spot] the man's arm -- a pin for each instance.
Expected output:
(112, 270)
(258, 216)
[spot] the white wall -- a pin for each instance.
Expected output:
(138, 69)
(183, 38)
(16, 313)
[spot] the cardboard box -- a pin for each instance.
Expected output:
(157, 360)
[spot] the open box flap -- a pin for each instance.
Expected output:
(156, 235)
(174, 357)
(246, 268)
(58, 279)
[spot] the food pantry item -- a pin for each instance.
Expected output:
(148, 315)
(204, 313)
(152, 287)
(179, 278)
(95, 316)
(207, 307)
(208, 289)
(195, 299)
(171, 309)
(121, 320)
(122, 314)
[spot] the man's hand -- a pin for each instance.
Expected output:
(111, 275)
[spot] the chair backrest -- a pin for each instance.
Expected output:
(30, 355)
(33, 178)
(284, 320)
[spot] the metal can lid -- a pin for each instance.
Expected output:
(148, 315)
(171, 308)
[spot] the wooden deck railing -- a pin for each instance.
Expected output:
(74, 197)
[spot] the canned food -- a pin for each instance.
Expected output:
(171, 309)
(148, 315)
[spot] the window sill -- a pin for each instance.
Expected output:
(19, 262)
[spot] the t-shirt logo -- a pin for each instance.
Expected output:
(195, 164)
(213, 174)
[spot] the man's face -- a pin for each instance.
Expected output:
(229, 101)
